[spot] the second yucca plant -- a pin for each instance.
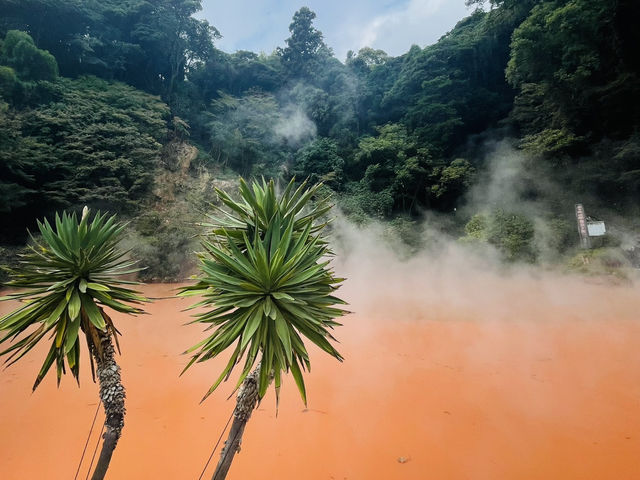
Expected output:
(266, 286)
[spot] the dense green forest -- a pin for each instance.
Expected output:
(128, 106)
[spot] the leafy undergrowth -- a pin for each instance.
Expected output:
(606, 265)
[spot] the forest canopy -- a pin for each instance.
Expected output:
(91, 102)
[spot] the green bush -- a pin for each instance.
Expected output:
(359, 203)
(8, 82)
(601, 262)
(31, 63)
(319, 161)
(407, 231)
(476, 228)
(512, 234)
(552, 142)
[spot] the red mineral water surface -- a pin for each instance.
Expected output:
(488, 376)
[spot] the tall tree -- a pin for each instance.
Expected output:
(30, 63)
(173, 41)
(305, 47)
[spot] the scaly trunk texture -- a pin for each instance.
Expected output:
(245, 404)
(112, 396)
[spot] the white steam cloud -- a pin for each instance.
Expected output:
(294, 126)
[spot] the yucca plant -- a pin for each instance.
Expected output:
(265, 284)
(66, 280)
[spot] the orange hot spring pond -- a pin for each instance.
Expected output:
(494, 378)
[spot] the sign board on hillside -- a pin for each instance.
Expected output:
(596, 229)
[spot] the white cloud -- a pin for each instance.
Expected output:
(391, 25)
(419, 22)
(295, 126)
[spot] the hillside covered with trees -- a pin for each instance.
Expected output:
(128, 106)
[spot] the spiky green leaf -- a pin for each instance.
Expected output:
(265, 283)
(74, 268)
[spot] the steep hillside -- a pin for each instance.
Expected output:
(522, 110)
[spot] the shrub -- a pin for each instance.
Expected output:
(30, 62)
(512, 234)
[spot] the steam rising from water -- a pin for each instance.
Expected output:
(448, 277)
(294, 126)
(515, 183)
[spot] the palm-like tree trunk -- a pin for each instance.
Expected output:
(245, 404)
(112, 395)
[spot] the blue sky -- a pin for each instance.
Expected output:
(391, 25)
